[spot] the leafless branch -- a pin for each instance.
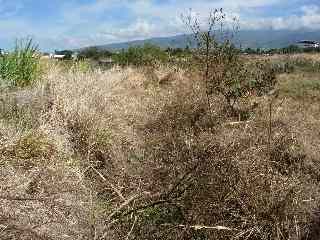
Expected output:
(199, 227)
(132, 227)
(116, 190)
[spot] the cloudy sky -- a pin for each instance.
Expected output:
(60, 24)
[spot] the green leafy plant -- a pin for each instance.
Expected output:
(20, 67)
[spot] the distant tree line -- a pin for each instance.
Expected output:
(291, 49)
(149, 54)
(179, 52)
(94, 53)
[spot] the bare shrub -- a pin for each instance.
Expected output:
(287, 155)
(217, 58)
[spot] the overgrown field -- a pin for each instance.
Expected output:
(147, 153)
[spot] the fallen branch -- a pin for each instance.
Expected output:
(237, 123)
(115, 212)
(131, 230)
(199, 227)
(123, 205)
(109, 183)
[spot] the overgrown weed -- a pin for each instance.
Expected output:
(21, 67)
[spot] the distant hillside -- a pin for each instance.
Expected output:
(250, 38)
(275, 39)
(164, 42)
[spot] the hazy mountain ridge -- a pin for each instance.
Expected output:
(246, 39)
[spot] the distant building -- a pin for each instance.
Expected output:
(57, 56)
(1, 52)
(308, 44)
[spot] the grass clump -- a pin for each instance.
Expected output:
(20, 68)
(80, 66)
(31, 149)
(300, 85)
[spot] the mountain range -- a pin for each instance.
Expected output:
(264, 39)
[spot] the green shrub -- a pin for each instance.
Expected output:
(21, 67)
(300, 86)
(94, 53)
(263, 77)
(141, 56)
(217, 58)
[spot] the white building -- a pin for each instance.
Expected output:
(309, 44)
(56, 56)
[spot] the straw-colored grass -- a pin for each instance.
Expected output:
(138, 154)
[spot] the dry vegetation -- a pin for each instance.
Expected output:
(138, 154)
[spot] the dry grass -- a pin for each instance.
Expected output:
(137, 154)
(304, 86)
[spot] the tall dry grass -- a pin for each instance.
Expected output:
(137, 154)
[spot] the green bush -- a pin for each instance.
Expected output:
(20, 67)
(263, 76)
(217, 58)
(94, 53)
(141, 56)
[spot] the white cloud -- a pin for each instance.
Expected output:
(87, 24)
(310, 19)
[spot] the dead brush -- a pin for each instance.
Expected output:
(267, 200)
(113, 159)
(287, 155)
(23, 108)
(235, 180)
(38, 190)
(29, 150)
(181, 145)
(161, 76)
(312, 231)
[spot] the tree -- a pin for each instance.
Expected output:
(217, 58)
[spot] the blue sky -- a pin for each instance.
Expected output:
(61, 24)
